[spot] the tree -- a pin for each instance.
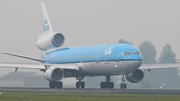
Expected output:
(124, 41)
(167, 55)
(148, 52)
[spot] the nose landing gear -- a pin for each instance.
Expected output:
(123, 85)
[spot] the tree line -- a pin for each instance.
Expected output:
(149, 53)
(165, 78)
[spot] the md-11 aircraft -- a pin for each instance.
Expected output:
(79, 62)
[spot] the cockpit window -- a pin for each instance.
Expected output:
(133, 52)
(128, 53)
(137, 53)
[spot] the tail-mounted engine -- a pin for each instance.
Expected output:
(54, 74)
(135, 76)
(50, 41)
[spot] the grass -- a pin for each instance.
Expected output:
(24, 96)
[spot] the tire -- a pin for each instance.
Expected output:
(52, 85)
(77, 84)
(103, 86)
(125, 86)
(106, 84)
(59, 84)
(121, 85)
(82, 84)
(111, 85)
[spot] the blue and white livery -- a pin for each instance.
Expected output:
(79, 62)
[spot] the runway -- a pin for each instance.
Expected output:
(90, 90)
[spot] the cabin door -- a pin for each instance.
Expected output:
(118, 56)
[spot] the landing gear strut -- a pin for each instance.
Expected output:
(107, 84)
(123, 84)
(55, 84)
(79, 83)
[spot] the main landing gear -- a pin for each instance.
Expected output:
(123, 84)
(79, 83)
(107, 84)
(55, 84)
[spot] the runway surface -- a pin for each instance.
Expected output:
(90, 90)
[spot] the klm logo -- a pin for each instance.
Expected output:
(45, 21)
(46, 26)
(109, 51)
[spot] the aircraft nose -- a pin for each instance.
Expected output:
(139, 63)
(139, 57)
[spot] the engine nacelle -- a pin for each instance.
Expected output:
(50, 41)
(54, 74)
(135, 76)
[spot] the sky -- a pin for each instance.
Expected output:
(88, 22)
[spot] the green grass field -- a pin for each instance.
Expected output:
(16, 96)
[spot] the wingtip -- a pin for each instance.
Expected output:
(3, 53)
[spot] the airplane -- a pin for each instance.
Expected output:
(83, 61)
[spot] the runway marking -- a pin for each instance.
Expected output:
(89, 90)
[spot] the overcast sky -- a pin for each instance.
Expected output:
(89, 22)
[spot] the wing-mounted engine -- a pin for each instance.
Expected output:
(135, 76)
(54, 74)
(50, 41)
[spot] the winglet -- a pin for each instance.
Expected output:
(46, 21)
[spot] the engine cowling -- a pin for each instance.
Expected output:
(135, 76)
(54, 74)
(50, 41)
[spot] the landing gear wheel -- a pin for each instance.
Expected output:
(51, 84)
(59, 84)
(107, 84)
(77, 84)
(55, 85)
(103, 86)
(110, 85)
(82, 85)
(123, 85)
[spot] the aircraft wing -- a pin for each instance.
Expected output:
(22, 65)
(25, 57)
(159, 66)
(66, 67)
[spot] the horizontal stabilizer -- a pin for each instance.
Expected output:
(25, 57)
